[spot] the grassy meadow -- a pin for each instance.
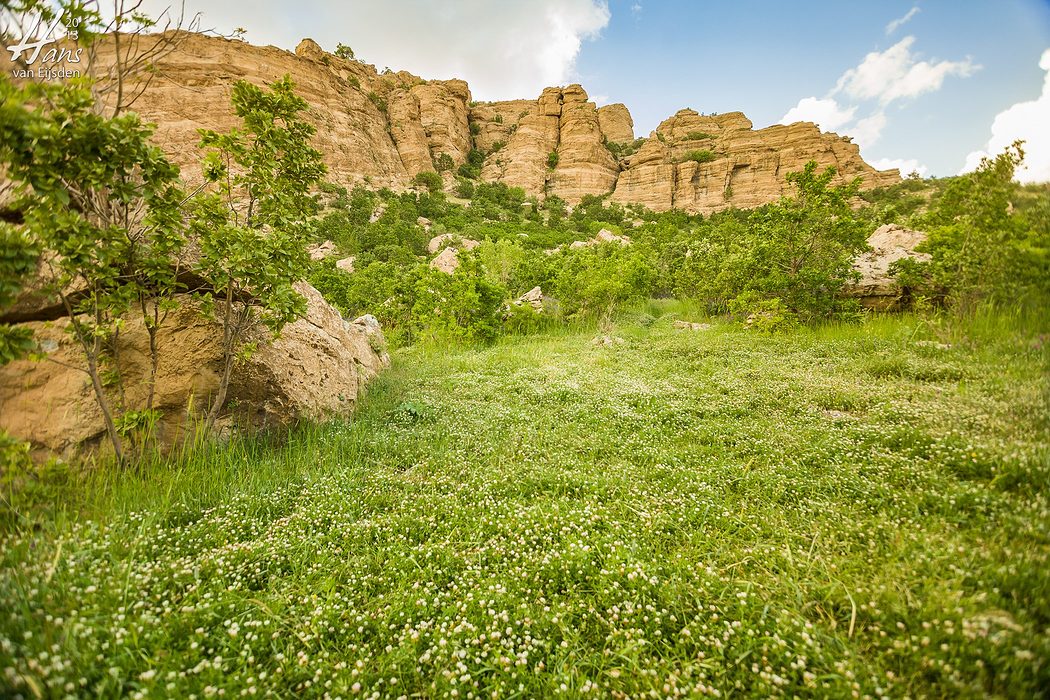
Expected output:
(841, 511)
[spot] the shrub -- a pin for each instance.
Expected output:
(378, 101)
(430, 180)
(444, 163)
(465, 189)
(701, 156)
(344, 51)
(552, 160)
(698, 136)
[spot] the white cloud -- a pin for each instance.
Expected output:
(895, 74)
(907, 166)
(868, 130)
(1029, 121)
(879, 79)
(826, 113)
(900, 21)
(502, 49)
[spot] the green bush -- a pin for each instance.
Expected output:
(430, 180)
(698, 136)
(552, 160)
(702, 156)
(443, 163)
(465, 189)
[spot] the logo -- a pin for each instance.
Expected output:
(47, 66)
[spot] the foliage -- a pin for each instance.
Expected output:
(253, 224)
(430, 180)
(444, 163)
(18, 259)
(622, 150)
(105, 205)
(804, 247)
(981, 249)
(698, 136)
(378, 100)
(464, 188)
(701, 156)
(552, 160)
(344, 51)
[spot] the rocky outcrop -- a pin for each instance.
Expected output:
(384, 128)
(877, 288)
(585, 165)
(616, 123)
(316, 369)
(447, 261)
(555, 147)
(428, 120)
(701, 163)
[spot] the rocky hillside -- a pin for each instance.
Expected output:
(385, 128)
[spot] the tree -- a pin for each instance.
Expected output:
(804, 246)
(980, 248)
(253, 223)
(104, 204)
(344, 51)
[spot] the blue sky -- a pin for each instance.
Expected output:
(952, 79)
(763, 57)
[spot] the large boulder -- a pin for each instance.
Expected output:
(317, 368)
(877, 288)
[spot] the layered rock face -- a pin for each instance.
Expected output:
(616, 123)
(555, 148)
(385, 128)
(316, 369)
(703, 163)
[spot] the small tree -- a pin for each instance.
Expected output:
(253, 224)
(804, 246)
(344, 51)
(981, 249)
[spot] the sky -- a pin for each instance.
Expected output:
(925, 85)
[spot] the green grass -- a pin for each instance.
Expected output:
(841, 512)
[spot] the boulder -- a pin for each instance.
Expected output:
(346, 264)
(534, 298)
(447, 261)
(320, 251)
(438, 242)
(877, 288)
(603, 236)
(316, 369)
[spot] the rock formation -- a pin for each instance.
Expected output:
(616, 123)
(385, 128)
(877, 288)
(317, 368)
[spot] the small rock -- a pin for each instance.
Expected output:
(320, 251)
(346, 264)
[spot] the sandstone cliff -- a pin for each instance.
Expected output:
(385, 128)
